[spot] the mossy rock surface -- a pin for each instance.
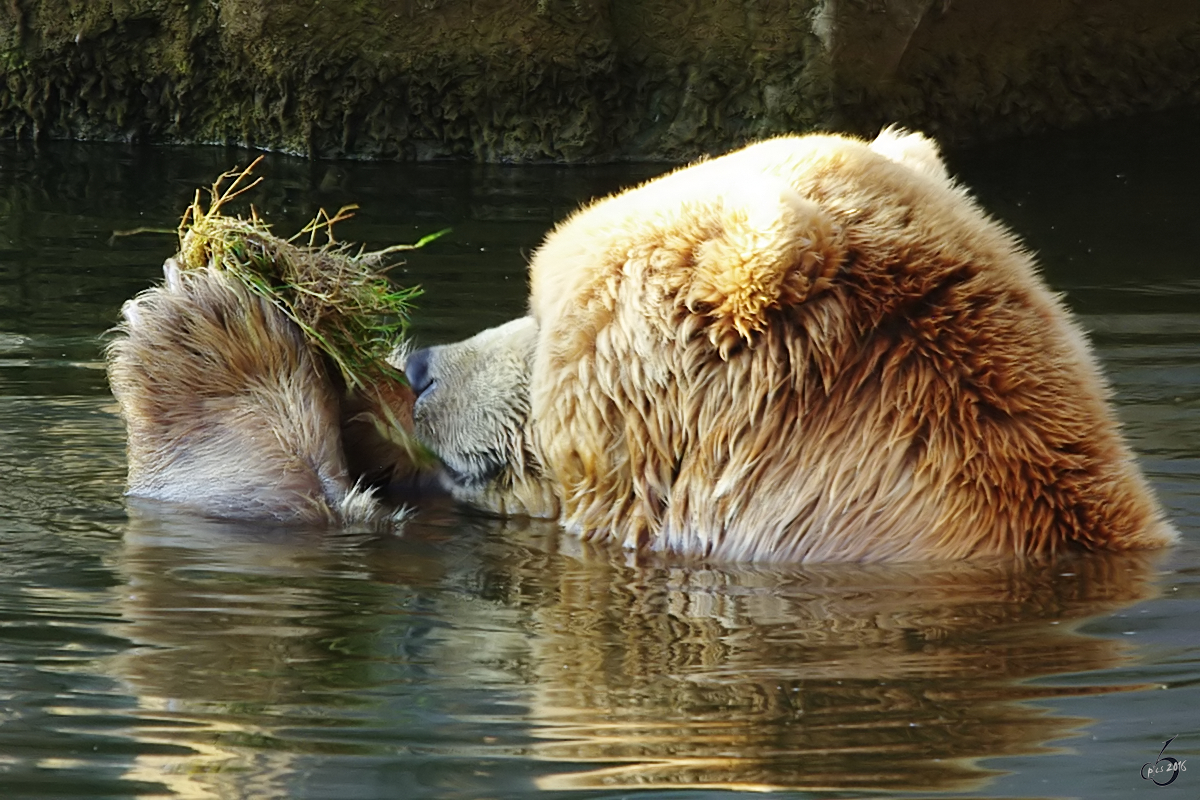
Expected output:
(575, 80)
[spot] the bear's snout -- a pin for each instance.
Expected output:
(416, 369)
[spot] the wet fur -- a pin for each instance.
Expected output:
(811, 349)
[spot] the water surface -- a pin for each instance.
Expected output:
(148, 654)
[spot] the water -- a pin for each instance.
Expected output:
(144, 654)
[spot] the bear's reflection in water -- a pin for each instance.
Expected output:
(276, 648)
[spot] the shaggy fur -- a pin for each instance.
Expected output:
(227, 411)
(811, 349)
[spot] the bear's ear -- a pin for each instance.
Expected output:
(914, 150)
(770, 248)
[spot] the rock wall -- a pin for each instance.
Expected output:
(570, 80)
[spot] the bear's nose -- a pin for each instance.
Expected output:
(416, 368)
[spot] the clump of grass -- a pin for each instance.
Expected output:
(339, 296)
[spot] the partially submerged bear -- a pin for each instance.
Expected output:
(810, 349)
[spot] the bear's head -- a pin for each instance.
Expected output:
(474, 412)
(813, 348)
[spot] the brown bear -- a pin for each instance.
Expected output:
(814, 348)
